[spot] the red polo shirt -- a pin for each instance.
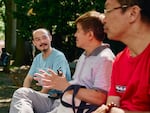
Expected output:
(131, 80)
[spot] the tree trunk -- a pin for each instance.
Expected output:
(10, 27)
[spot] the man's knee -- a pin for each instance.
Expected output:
(22, 91)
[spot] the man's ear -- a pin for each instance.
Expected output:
(134, 13)
(90, 34)
(33, 42)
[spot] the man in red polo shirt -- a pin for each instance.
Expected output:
(128, 21)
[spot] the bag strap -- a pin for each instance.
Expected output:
(75, 89)
(82, 105)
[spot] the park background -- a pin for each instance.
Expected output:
(18, 18)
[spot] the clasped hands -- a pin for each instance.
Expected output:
(51, 80)
(107, 109)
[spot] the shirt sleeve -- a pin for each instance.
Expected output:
(102, 74)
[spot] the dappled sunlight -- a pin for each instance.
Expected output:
(7, 88)
(9, 82)
(2, 101)
(4, 105)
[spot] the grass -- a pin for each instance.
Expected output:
(9, 82)
(6, 90)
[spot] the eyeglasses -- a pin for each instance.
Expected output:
(110, 10)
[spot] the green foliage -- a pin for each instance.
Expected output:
(2, 12)
(57, 16)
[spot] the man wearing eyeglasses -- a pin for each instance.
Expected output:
(128, 21)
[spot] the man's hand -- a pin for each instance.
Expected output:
(52, 80)
(102, 109)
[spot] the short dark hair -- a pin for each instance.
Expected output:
(143, 4)
(92, 20)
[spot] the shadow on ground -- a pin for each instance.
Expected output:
(9, 82)
(6, 90)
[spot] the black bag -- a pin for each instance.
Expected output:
(83, 107)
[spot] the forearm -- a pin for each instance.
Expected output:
(26, 83)
(92, 96)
